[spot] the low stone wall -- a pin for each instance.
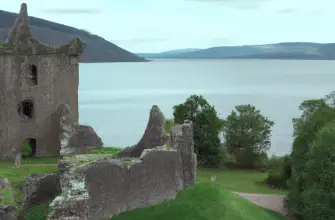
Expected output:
(114, 188)
(105, 187)
(8, 212)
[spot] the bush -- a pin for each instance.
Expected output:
(279, 171)
(275, 179)
(168, 125)
(319, 180)
(26, 149)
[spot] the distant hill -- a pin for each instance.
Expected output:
(291, 50)
(97, 50)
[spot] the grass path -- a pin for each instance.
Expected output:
(268, 201)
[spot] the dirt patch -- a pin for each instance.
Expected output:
(268, 201)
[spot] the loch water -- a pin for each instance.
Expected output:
(115, 98)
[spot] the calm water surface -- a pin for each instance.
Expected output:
(115, 98)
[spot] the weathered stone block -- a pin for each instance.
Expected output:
(153, 136)
(40, 188)
(8, 212)
(85, 137)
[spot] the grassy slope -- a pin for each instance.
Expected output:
(203, 201)
(239, 180)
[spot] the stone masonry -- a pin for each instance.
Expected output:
(35, 79)
(153, 136)
(101, 187)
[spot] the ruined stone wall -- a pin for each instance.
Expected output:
(9, 98)
(57, 84)
(57, 72)
(154, 135)
(157, 179)
(54, 88)
(8, 212)
(107, 187)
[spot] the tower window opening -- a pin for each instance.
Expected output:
(33, 74)
(26, 109)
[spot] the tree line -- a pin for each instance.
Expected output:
(242, 139)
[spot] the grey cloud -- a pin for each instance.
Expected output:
(74, 11)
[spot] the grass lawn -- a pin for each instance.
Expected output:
(239, 180)
(203, 201)
(16, 176)
(37, 212)
(41, 160)
(105, 150)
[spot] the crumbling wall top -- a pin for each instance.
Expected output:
(21, 40)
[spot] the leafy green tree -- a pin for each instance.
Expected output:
(247, 134)
(307, 107)
(318, 195)
(330, 99)
(206, 128)
(318, 116)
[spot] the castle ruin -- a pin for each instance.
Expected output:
(35, 79)
(39, 102)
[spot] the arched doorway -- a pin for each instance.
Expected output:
(28, 148)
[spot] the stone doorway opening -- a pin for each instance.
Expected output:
(28, 148)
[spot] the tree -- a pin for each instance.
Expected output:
(247, 134)
(308, 107)
(330, 99)
(313, 119)
(318, 194)
(206, 128)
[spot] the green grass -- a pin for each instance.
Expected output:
(7, 195)
(104, 150)
(16, 176)
(203, 201)
(41, 160)
(239, 180)
(37, 212)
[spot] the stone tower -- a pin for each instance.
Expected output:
(35, 79)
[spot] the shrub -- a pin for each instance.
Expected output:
(275, 179)
(168, 125)
(279, 171)
(26, 149)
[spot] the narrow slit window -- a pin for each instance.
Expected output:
(33, 75)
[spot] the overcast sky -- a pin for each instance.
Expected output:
(159, 25)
